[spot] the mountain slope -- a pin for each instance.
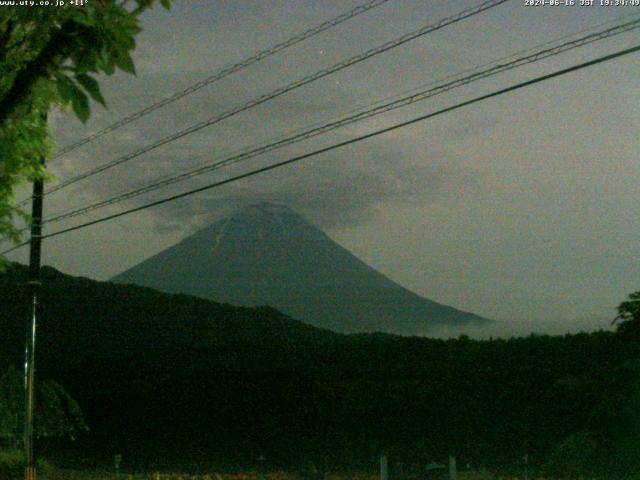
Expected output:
(269, 255)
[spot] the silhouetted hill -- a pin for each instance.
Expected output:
(119, 318)
(173, 381)
(268, 255)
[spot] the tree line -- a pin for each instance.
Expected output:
(199, 384)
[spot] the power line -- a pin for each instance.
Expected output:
(335, 146)
(285, 89)
(218, 76)
(360, 9)
(398, 103)
(476, 68)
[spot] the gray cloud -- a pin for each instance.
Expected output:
(335, 190)
(522, 207)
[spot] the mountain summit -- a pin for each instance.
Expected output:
(268, 255)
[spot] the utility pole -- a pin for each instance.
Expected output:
(30, 349)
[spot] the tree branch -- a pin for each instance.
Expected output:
(50, 56)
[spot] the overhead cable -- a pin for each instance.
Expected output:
(335, 146)
(225, 72)
(283, 90)
(393, 105)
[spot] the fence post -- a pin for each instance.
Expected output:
(384, 468)
(453, 469)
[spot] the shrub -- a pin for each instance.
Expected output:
(12, 465)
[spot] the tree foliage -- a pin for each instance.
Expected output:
(156, 373)
(57, 414)
(51, 57)
(629, 315)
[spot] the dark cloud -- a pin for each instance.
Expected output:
(469, 198)
(334, 190)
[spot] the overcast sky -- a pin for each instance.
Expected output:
(523, 208)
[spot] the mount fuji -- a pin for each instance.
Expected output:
(267, 254)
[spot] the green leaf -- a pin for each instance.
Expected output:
(87, 63)
(125, 63)
(92, 88)
(166, 4)
(108, 64)
(71, 93)
(80, 104)
(65, 87)
(85, 20)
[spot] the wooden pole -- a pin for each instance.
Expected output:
(30, 348)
